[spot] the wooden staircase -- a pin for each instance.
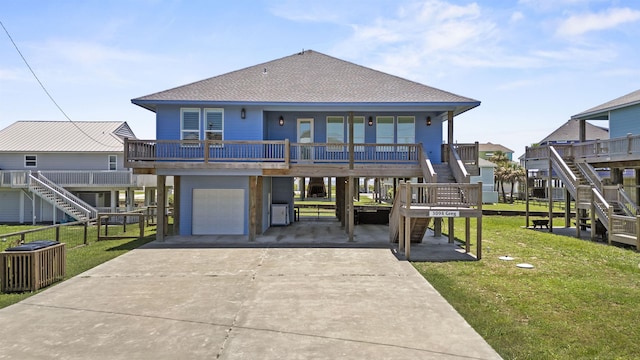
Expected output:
(615, 213)
(61, 198)
(419, 226)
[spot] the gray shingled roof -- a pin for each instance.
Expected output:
(570, 132)
(494, 147)
(600, 112)
(64, 136)
(307, 77)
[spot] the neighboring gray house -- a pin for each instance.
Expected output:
(76, 165)
(487, 169)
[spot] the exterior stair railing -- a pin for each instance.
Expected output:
(61, 198)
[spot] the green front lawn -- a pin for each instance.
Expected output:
(581, 300)
(80, 257)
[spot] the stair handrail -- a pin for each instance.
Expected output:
(629, 206)
(457, 167)
(601, 207)
(394, 215)
(428, 172)
(590, 174)
(61, 192)
(566, 175)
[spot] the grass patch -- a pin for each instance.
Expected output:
(80, 257)
(581, 301)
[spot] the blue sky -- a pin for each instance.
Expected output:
(532, 63)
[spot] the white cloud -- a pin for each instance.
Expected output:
(581, 24)
(516, 16)
(419, 34)
(547, 5)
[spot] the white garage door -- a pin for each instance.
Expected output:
(218, 212)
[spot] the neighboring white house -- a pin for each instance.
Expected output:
(76, 165)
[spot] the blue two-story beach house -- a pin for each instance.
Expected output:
(234, 143)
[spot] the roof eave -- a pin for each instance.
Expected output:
(602, 114)
(456, 107)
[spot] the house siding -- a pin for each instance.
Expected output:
(11, 205)
(62, 161)
(624, 121)
(282, 192)
(263, 125)
(489, 195)
(235, 128)
(10, 200)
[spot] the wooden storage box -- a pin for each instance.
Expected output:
(22, 269)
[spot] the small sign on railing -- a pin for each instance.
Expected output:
(444, 213)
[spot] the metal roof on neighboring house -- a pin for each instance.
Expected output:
(600, 112)
(493, 147)
(308, 77)
(64, 136)
(570, 132)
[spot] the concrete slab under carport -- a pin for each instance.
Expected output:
(184, 300)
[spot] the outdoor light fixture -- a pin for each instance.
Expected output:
(370, 121)
(428, 120)
(281, 121)
(243, 113)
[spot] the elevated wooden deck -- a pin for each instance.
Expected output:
(282, 158)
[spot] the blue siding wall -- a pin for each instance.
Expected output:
(235, 128)
(257, 126)
(188, 183)
(167, 122)
(429, 136)
(624, 121)
(282, 192)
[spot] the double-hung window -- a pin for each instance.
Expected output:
(385, 132)
(214, 124)
(406, 131)
(190, 124)
(113, 162)
(335, 132)
(358, 132)
(30, 161)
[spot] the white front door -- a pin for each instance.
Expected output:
(305, 136)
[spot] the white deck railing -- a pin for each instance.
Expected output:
(69, 178)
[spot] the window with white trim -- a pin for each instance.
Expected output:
(30, 161)
(335, 132)
(214, 120)
(358, 132)
(406, 131)
(113, 162)
(385, 132)
(189, 124)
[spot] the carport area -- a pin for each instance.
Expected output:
(181, 300)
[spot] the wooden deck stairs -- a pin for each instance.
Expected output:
(61, 198)
(609, 207)
(419, 226)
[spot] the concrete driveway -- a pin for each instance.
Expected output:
(164, 301)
